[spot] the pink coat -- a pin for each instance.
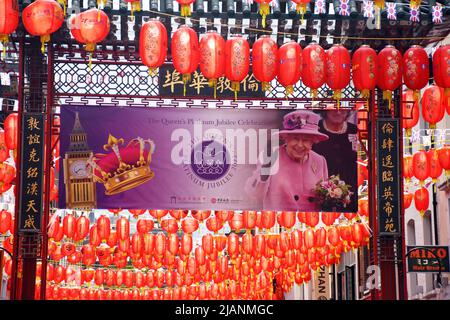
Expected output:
(291, 186)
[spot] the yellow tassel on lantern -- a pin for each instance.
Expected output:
(337, 95)
(64, 5)
(414, 3)
(152, 72)
(135, 6)
(186, 79)
(447, 94)
(213, 83)
(264, 10)
(408, 132)
(265, 86)
(387, 95)
(90, 47)
(4, 41)
(185, 10)
(235, 87)
(301, 9)
(416, 95)
(314, 93)
(289, 90)
(379, 4)
(44, 39)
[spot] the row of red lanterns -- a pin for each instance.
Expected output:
(427, 164)
(78, 228)
(421, 199)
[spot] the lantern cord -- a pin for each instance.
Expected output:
(213, 83)
(90, 62)
(301, 9)
(45, 38)
(186, 79)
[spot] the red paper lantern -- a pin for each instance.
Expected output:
(4, 151)
(444, 158)
(82, 227)
(408, 168)
(407, 200)
(103, 228)
(364, 66)
(212, 57)
(179, 214)
(249, 219)
(415, 69)
(224, 215)
(69, 226)
(265, 60)
(421, 166)
(434, 164)
(389, 71)
(201, 215)
(338, 70)
(169, 225)
(309, 238)
(123, 228)
(290, 65)
(363, 207)
(153, 44)
(312, 219)
(185, 10)
(237, 222)
(287, 219)
(433, 109)
(233, 244)
(90, 27)
(237, 61)
(421, 200)
(214, 224)
(9, 20)
(185, 52)
(189, 225)
(5, 221)
(314, 68)
(11, 127)
(42, 18)
(410, 111)
(268, 219)
(441, 68)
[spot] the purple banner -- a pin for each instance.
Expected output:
(215, 159)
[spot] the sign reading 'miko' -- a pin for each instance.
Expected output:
(176, 158)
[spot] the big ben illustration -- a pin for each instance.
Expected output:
(78, 179)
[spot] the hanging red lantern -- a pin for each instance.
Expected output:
(212, 58)
(42, 18)
(9, 20)
(433, 109)
(328, 218)
(189, 225)
(153, 44)
(172, 243)
(444, 159)
(421, 200)
(247, 243)
(201, 215)
(220, 242)
(249, 220)
(408, 168)
(237, 61)
(5, 221)
(312, 219)
(90, 27)
(407, 200)
(314, 72)
(123, 228)
(103, 227)
(434, 164)
(441, 68)
(186, 244)
(137, 212)
(421, 166)
(290, 65)
(268, 219)
(4, 151)
(415, 69)
(82, 227)
(265, 60)
(389, 71)
(237, 222)
(179, 214)
(142, 226)
(69, 226)
(11, 127)
(309, 238)
(169, 225)
(233, 244)
(287, 219)
(410, 111)
(338, 70)
(363, 207)
(214, 224)
(224, 215)
(364, 67)
(185, 53)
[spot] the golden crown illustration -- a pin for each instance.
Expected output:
(125, 167)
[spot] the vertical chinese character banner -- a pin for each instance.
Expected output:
(388, 193)
(32, 168)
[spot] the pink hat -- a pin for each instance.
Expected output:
(302, 122)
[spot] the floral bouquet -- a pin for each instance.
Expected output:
(332, 194)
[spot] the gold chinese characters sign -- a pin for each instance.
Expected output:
(388, 176)
(32, 164)
(171, 83)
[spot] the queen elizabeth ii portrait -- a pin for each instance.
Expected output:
(288, 182)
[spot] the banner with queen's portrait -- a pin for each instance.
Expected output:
(210, 159)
